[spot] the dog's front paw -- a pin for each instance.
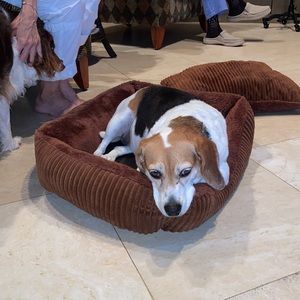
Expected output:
(102, 134)
(17, 141)
(98, 152)
(13, 144)
(111, 156)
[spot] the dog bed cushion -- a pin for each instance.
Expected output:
(265, 89)
(116, 192)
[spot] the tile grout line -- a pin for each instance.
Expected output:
(25, 199)
(278, 142)
(262, 285)
(281, 179)
(133, 263)
(118, 70)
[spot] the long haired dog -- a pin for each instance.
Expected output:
(15, 75)
(178, 141)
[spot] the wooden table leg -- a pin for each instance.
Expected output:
(157, 35)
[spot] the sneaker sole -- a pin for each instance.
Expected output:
(249, 17)
(208, 41)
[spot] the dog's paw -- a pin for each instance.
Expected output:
(109, 156)
(102, 134)
(13, 144)
(98, 152)
(17, 141)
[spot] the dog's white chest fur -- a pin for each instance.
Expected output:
(21, 75)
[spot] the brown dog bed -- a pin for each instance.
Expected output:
(266, 90)
(116, 192)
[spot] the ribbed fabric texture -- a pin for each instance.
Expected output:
(115, 192)
(265, 89)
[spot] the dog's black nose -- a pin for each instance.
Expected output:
(172, 209)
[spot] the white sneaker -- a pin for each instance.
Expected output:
(225, 39)
(251, 12)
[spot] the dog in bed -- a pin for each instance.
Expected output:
(16, 75)
(178, 141)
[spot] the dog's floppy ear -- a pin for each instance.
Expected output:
(140, 156)
(207, 155)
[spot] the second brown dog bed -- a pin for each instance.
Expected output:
(116, 192)
(266, 90)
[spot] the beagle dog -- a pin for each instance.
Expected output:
(178, 141)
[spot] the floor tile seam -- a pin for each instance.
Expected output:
(118, 70)
(281, 179)
(112, 77)
(155, 51)
(276, 143)
(263, 285)
(148, 79)
(135, 266)
(25, 199)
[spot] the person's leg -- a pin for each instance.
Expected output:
(214, 7)
(213, 27)
(63, 21)
(236, 7)
(215, 35)
(69, 22)
(50, 99)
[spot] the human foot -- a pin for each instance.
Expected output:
(69, 94)
(250, 13)
(67, 91)
(224, 39)
(53, 101)
(53, 105)
(73, 105)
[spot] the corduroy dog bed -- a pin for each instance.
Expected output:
(266, 90)
(116, 192)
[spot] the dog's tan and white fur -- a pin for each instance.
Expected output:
(16, 75)
(12, 84)
(186, 145)
(20, 77)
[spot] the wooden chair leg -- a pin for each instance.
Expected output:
(82, 63)
(157, 35)
(82, 76)
(203, 23)
(104, 40)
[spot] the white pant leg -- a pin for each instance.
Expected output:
(70, 22)
(214, 7)
(89, 17)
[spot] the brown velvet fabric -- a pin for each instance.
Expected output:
(265, 89)
(115, 192)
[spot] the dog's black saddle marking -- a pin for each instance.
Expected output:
(156, 101)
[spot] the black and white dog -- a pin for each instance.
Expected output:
(15, 75)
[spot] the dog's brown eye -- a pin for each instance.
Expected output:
(185, 172)
(155, 174)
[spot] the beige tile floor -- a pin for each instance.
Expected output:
(249, 250)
